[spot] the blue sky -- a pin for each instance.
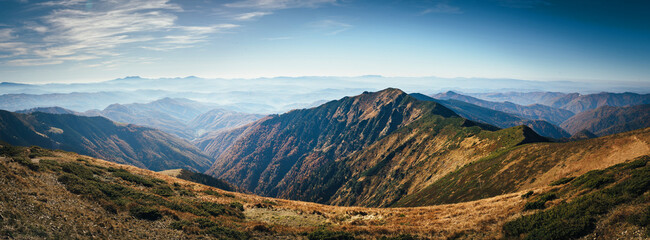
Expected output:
(80, 41)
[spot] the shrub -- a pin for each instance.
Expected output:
(641, 219)
(534, 205)
(164, 191)
(123, 174)
(401, 237)
(562, 181)
(237, 206)
(527, 195)
(77, 169)
(216, 209)
(325, 234)
(540, 202)
(213, 193)
(179, 225)
(26, 162)
(146, 213)
(35, 152)
(578, 217)
(594, 179)
(77, 185)
(11, 151)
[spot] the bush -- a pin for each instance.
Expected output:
(164, 191)
(123, 174)
(77, 169)
(594, 179)
(237, 206)
(578, 217)
(26, 162)
(180, 225)
(641, 219)
(540, 202)
(216, 209)
(77, 185)
(146, 213)
(527, 195)
(213, 193)
(35, 152)
(401, 237)
(324, 234)
(534, 205)
(562, 181)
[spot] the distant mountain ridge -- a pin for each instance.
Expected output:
(99, 137)
(182, 117)
(497, 118)
(607, 120)
(533, 112)
(574, 102)
(579, 103)
(52, 110)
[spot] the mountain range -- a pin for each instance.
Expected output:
(497, 118)
(400, 166)
(574, 102)
(533, 111)
(608, 120)
(99, 137)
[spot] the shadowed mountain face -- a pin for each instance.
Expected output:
(607, 120)
(167, 114)
(321, 154)
(534, 112)
(216, 142)
(497, 118)
(182, 117)
(218, 119)
(99, 137)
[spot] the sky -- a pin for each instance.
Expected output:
(88, 41)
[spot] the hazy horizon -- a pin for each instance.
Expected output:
(542, 40)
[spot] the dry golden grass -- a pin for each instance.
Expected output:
(47, 199)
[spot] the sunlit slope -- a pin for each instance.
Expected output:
(529, 166)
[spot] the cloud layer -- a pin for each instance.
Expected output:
(76, 30)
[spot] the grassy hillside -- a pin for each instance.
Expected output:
(55, 194)
(612, 203)
(529, 166)
(48, 194)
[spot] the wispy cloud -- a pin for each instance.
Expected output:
(250, 15)
(442, 8)
(331, 27)
(77, 31)
(278, 4)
